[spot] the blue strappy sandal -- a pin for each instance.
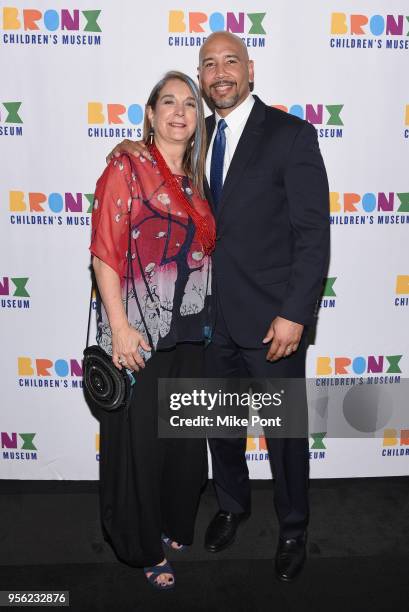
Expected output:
(168, 542)
(157, 570)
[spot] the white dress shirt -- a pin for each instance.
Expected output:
(236, 120)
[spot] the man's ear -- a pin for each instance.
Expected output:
(251, 71)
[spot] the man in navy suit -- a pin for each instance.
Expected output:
(268, 187)
(269, 191)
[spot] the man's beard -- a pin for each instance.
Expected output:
(224, 102)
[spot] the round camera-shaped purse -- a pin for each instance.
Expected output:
(105, 387)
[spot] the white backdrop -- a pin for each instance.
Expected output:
(63, 71)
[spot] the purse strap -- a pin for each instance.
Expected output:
(129, 272)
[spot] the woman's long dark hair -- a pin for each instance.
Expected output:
(195, 153)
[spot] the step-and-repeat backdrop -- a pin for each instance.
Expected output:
(74, 80)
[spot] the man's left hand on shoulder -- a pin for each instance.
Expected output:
(284, 336)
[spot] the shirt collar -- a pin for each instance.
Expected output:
(240, 114)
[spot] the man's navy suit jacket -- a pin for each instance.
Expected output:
(272, 243)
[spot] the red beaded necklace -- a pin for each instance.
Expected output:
(206, 234)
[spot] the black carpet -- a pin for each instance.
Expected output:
(358, 552)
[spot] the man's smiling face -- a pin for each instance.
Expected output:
(225, 71)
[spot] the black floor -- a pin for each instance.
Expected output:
(358, 552)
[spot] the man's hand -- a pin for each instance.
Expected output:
(284, 336)
(132, 147)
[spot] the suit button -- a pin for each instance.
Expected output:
(217, 237)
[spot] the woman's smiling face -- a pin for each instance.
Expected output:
(174, 117)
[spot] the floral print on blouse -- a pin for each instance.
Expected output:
(168, 296)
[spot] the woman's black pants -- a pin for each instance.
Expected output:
(150, 485)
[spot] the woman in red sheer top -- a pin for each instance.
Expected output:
(150, 487)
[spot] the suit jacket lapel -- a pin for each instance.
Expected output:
(208, 193)
(210, 123)
(253, 131)
(246, 146)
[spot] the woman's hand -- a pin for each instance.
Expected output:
(125, 339)
(125, 343)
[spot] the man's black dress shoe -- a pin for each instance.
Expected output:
(221, 531)
(290, 557)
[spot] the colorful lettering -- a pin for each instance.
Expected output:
(28, 443)
(114, 112)
(358, 365)
(329, 287)
(19, 284)
(361, 25)
(318, 440)
(55, 202)
(402, 284)
(216, 22)
(12, 109)
(43, 367)
(369, 202)
(404, 202)
(323, 366)
(10, 441)
(394, 364)
(390, 437)
(52, 20)
(339, 23)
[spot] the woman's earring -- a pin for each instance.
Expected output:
(151, 135)
(192, 144)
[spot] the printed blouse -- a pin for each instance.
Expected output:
(168, 283)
